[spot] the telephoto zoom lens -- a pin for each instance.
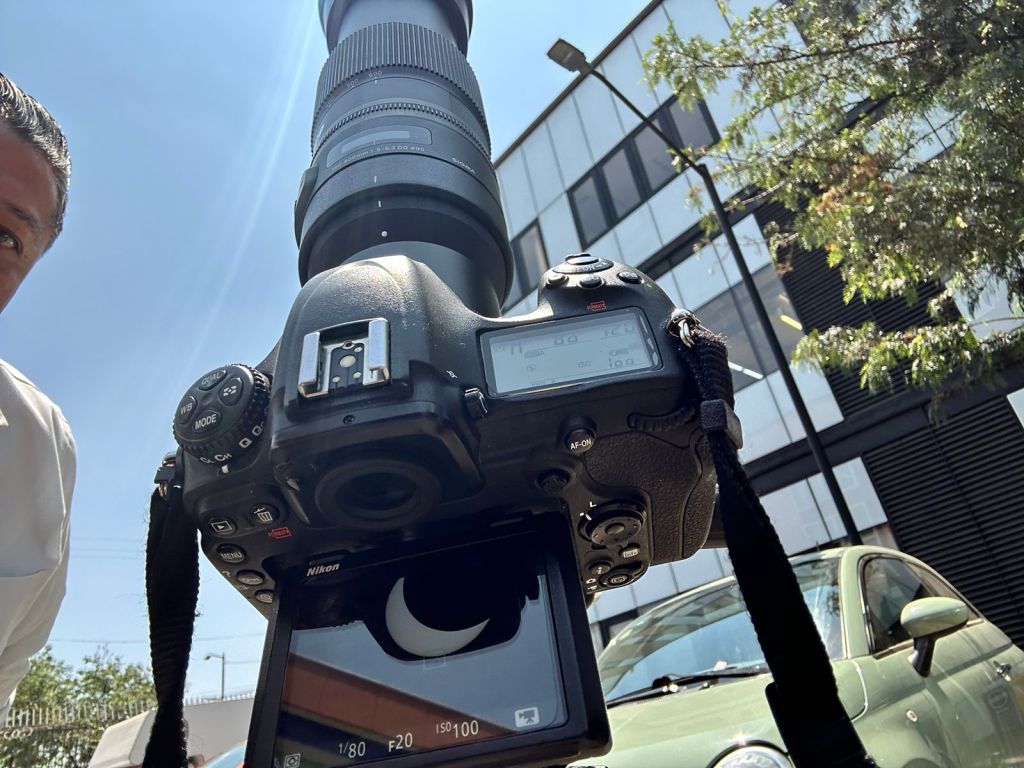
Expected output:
(401, 153)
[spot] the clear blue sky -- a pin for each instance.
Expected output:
(189, 127)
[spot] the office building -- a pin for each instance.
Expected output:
(587, 176)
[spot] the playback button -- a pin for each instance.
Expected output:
(221, 526)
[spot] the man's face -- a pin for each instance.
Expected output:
(28, 196)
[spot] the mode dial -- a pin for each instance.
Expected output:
(223, 413)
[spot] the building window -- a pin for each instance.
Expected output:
(622, 183)
(531, 262)
(732, 315)
(637, 168)
(654, 158)
(693, 128)
(591, 219)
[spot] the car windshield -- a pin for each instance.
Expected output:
(710, 630)
(231, 759)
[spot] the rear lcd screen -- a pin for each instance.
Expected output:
(540, 356)
(419, 655)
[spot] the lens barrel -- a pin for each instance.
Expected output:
(401, 152)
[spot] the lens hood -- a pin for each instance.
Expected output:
(451, 18)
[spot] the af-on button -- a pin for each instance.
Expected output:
(579, 441)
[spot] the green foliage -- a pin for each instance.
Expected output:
(839, 104)
(60, 713)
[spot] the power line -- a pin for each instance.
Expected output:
(139, 642)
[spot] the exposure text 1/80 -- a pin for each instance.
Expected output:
(352, 749)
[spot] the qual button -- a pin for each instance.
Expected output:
(211, 380)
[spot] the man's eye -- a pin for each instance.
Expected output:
(7, 240)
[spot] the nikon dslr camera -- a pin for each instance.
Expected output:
(418, 493)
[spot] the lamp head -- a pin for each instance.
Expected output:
(569, 57)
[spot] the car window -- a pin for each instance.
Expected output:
(888, 585)
(710, 629)
(231, 759)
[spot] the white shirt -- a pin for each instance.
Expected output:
(37, 475)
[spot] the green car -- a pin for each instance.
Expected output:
(927, 680)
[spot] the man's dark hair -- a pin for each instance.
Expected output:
(32, 122)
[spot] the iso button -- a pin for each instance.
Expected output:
(579, 441)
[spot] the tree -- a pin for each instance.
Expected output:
(839, 103)
(60, 713)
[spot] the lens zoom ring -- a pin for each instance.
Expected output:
(406, 106)
(397, 44)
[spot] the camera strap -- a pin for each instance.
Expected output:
(172, 592)
(803, 695)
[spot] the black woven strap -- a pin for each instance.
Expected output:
(172, 591)
(803, 695)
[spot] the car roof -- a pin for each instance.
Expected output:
(832, 553)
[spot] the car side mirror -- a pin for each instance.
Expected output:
(928, 619)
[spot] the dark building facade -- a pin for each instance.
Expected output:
(586, 175)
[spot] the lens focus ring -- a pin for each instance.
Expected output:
(396, 44)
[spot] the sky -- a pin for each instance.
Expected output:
(189, 128)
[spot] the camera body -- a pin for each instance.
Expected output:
(392, 413)
(418, 493)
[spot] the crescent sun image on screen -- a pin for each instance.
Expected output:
(419, 655)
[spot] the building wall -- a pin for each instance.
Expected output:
(589, 177)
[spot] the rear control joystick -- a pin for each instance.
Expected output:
(614, 523)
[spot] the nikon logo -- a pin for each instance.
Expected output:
(319, 570)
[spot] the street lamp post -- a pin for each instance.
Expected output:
(573, 59)
(223, 663)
